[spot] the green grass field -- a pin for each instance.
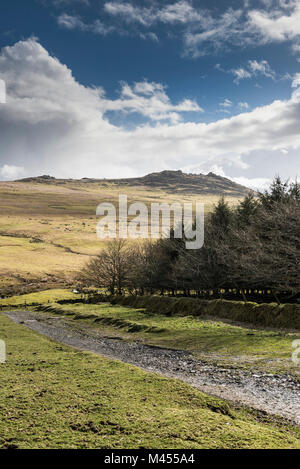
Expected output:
(211, 339)
(41, 297)
(53, 396)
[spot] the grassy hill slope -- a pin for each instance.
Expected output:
(48, 225)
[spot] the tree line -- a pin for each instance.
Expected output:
(254, 245)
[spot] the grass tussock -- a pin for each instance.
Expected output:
(115, 322)
(267, 314)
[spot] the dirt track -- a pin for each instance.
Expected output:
(273, 394)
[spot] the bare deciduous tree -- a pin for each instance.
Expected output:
(110, 269)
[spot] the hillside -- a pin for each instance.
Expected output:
(169, 181)
(48, 225)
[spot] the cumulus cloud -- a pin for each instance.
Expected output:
(10, 172)
(150, 100)
(52, 124)
(257, 184)
(276, 25)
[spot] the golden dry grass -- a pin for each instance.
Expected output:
(51, 228)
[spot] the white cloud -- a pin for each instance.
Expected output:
(257, 184)
(215, 33)
(296, 48)
(182, 12)
(246, 26)
(178, 12)
(253, 69)
(240, 74)
(202, 30)
(130, 13)
(152, 36)
(150, 100)
(226, 103)
(296, 80)
(53, 125)
(9, 172)
(261, 67)
(216, 169)
(71, 22)
(66, 2)
(275, 26)
(75, 22)
(243, 105)
(2, 92)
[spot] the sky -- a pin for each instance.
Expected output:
(98, 88)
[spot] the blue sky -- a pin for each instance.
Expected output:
(164, 85)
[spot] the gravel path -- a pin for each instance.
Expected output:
(272, 394)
